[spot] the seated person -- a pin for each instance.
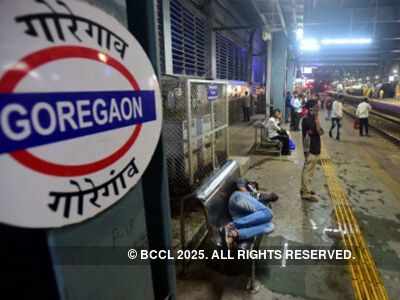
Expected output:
(250, 217)
(275, 132)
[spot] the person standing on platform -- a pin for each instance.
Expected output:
(336, 116)
(296, 109)
(328, 107)
(292, 111)
(311, 132)
(287, 106)
(362, 114)
(246, 106)
(381, 94)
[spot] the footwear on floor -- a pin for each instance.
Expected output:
(229, 238)
(309, 197)
(270, 228)
(307, 193)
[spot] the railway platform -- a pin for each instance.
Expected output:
(126, 126)
(367, 169)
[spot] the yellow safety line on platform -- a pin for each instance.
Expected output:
(366, 280)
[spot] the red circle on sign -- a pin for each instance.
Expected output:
(10, 80)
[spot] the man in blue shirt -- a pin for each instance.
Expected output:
(288, 106)
(250, 217)
(295, 112)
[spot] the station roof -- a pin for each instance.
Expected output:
(375, 19)
(273, 15)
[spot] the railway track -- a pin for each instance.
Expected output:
(387, 126)
(383, 119)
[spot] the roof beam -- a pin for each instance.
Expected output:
(340, 58)
(228, 28)
(363, 64)
(313, 24)
(281, 16)
(263, 18)
(231, 11)
(294, 12)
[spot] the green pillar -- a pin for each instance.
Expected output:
(278, 76)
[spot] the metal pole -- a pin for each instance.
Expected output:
(268, 81)
(211, 43)
(167, 36)
(213, 136)
(142, 24)
(227, 119)
(189, 132)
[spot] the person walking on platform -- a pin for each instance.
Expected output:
(381, 94)
(296, 109)
(311, 132)
(287, 106)
(246, 107)
(362, 114)
(275, 132)
(336, 116)
(328, 108)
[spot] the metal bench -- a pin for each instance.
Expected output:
(262, 143)
(214, 195)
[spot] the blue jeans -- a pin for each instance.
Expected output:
(287, 113)
(250, 217)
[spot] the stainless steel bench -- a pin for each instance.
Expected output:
(214, 195)
(263, 144)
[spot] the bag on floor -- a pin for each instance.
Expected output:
(292, 145)
(356, 124)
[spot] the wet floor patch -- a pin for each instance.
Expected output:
(324, 281)
(383, 238)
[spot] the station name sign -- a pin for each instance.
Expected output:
(80, 112)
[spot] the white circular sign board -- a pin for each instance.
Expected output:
(80, 112)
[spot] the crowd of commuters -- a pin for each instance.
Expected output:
(250, 217)
(303, 109)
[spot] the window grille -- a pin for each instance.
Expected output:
(188, 41)
(231, 59)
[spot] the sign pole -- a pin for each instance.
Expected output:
(142, 24)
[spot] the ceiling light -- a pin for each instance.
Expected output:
(309, 45)
(347, 41)
(299, 34)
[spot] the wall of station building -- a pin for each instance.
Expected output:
(189, 47)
